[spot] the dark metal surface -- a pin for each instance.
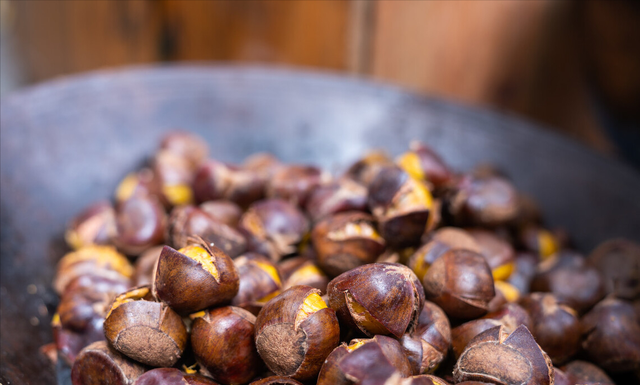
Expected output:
(67, 143)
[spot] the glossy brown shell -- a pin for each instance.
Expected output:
(429, 343)
(255, 282)
(134, 218)
(99, 364)
(172, 376)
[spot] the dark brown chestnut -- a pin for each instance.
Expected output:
(505, 293)
(295, 332)
(102, 261)
(140, 183)
(499, 253)
(378, 298)
(224, 211)
(365, 170)
(172, 376)
(276, 380)
(303, 271)
(401, 204)
(95, 225)
(363, 360)
(611, 335)
(539, 241)
(570, 279)
(460, 282)
(498, 357)
(216, 180)
(586, 373)
(437, 244)
(145, 266)
(525, 268)
(618, 260)
(422, 163)
(140, 224)
(174, 174)
(294, 183)
(339, 196)
(185, 145)
(145, 330)
(99, 363)
(195, 277)
(223, 344)
(427, 346)
(188, 221)
(345, 241)
(259, 281)
(555, 326)
(274, 227)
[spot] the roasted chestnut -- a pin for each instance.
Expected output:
(498, 357)
(345, 241)
(185, 145)
(618, 260)
(539, 240)
(216, 180)
(95, 225)
(505, 293)
(295, 332)
(586, 373)
(303, 271)
(188, 221)
(145, 330)
(140, 224)
(422, 163)
(339, 196)
(555, 326)
(99, 363)
(611, 335)
(295, 183)
(460, 282)
(172, 376)
(223, 211)
(525, 268)
(274, 227)
(365, 170)
(363, 360)
(378, 298)
(140, 183)
(259, 281)
(499, 254)
(223, 343)
(427, 346)
(195, 277)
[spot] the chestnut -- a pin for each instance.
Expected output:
(611, 335)
(185, 145)
(295, 332)
(422, 163)
(539, 240)
(95, 225)
(365, 170)
(195, 277)
(364, 360)
(345, 241)
(505, 293)
(499, 253)
(401, 204)
(460, 282)
(174, 174)
(437, 244)
(145, 330)
(378, 298)
(498, 357)
(427, 346)
(555, 326)
(172, 376)
(216, 180)
(223, 211)
(187, 221)
(143, 182)
(259, 281)
(145, 266)
(273, 227)
(339, 196)
(294, 183)
(618, 260)
(99, 363)
(525, 268)
(102, 261)
(586, 373)
(223, 344)
(69, 342)
(303, 271)
(570, 279)
(483, 201)
(140, 224)
(276, 380)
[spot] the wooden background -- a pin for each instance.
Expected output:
(534, 58)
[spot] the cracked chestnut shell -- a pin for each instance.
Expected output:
(95, 225)
(365, 170)
(145, 330)
(295, 183)
(401, 204)
(539, 241)
(364, 360)
(273, 227)
(216, 180)
(438, 243)
(140, 224)
(423, 163)
(429, 343)
(345, 241)
(223, 211)
(195, 277)
(188, 221)
(460, 282)
(259, 281)
(223, 343)
(172, 376)
(303, 271)
(295, 332)
(611, 335)
(185, 145)
(499, 254)
(378, 298)
(618, 260)
(339, 196)
(555, 325)
(99, 363)
(174, 175)
(497, 357)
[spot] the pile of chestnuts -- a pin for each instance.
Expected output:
(397, 272)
